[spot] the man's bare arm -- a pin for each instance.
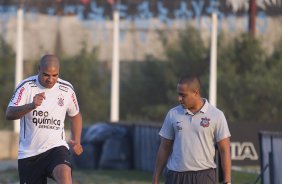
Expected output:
(16, 112)
(224, 150)
(162, 156)
(13, 113)
(76, 129)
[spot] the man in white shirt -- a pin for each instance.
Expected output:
(41, 102)
(188, 137)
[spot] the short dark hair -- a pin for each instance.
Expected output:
(192, 81)
(46, 59)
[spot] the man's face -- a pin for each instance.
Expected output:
(186, 96)
(48, 76)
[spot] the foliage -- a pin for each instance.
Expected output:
(271, 82)
(91, 82)
(143, 91)
(188, 55)
(248, 80)
(7, 62)
(149, 87)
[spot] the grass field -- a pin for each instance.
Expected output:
(116, 177)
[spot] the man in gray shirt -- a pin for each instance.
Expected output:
(188, 137)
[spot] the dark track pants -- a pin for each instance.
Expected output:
(207, 176)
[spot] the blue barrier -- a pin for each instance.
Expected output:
(145, 146)
(271, 151)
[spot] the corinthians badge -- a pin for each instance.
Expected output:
(205, 122)
(61, 100)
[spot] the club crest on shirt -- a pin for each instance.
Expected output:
(205, 122)
(61, 100)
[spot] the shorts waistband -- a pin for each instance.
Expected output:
(204, 170)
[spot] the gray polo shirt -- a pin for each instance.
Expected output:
(195, 136)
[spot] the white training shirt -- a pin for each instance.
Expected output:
(194, 136)
(43, 128)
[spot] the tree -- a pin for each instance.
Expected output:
(188, 55)
(91, 82)
(149, 87)
(7, 63)
(245, 81)
(143, 90)
(271, 82)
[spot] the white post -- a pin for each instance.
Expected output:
(213, 61)
(115, 69)
(19, 57)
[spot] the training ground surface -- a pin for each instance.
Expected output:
(9, 175)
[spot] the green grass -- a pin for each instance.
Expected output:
(117, 177)
(112, 177)
(243, 178)
(8, 176)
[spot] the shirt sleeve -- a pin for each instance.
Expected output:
(222, 130)
(167, 130)
(73, 108)
(19, 97)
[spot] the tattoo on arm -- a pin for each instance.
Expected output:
(18, 112)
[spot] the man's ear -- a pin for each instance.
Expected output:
(197, 92)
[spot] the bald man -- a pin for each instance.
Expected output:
(188, 137)
(41, 102)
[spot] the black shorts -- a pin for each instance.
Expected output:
(207, 176)
(36, 169)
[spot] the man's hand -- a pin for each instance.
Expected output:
(38, 99)
(76, 147)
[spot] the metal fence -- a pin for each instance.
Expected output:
(146, 142)
(271, 157)
(119, 146)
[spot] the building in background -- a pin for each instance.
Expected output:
(64, 27)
